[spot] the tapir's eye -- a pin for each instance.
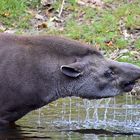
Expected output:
(109, 73)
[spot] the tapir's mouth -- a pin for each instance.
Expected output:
(128, 86)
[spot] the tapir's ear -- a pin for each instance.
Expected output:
(73, 70)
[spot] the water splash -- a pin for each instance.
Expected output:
(70, 110)
(87, 105)
(95, 114)
(112, 114)
(63, 111)
(114, 110)
(39, 118)
(106, 109)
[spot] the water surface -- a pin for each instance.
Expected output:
(77, 119)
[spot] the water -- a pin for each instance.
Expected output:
(74, 118)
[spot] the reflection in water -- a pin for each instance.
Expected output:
(30, 133)
(113, 118)
(17, 132)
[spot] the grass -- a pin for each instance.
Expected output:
(137, 44)
(14, 13)
(96, 26)
(131, 14)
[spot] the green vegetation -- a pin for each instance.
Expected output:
(137, 44)
(14, 13)
(131, 13)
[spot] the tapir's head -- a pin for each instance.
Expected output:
(94, 77)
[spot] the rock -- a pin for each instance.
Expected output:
(124, 51)
(47, 2)
(10, 31)
(39, 17)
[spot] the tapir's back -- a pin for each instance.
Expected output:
(50, 44)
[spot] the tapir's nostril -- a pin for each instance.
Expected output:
(127, 86)
(129, 83)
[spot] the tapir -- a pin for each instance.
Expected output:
(36, 70)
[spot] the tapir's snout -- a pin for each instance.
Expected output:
(129, 74)
(132, 75)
